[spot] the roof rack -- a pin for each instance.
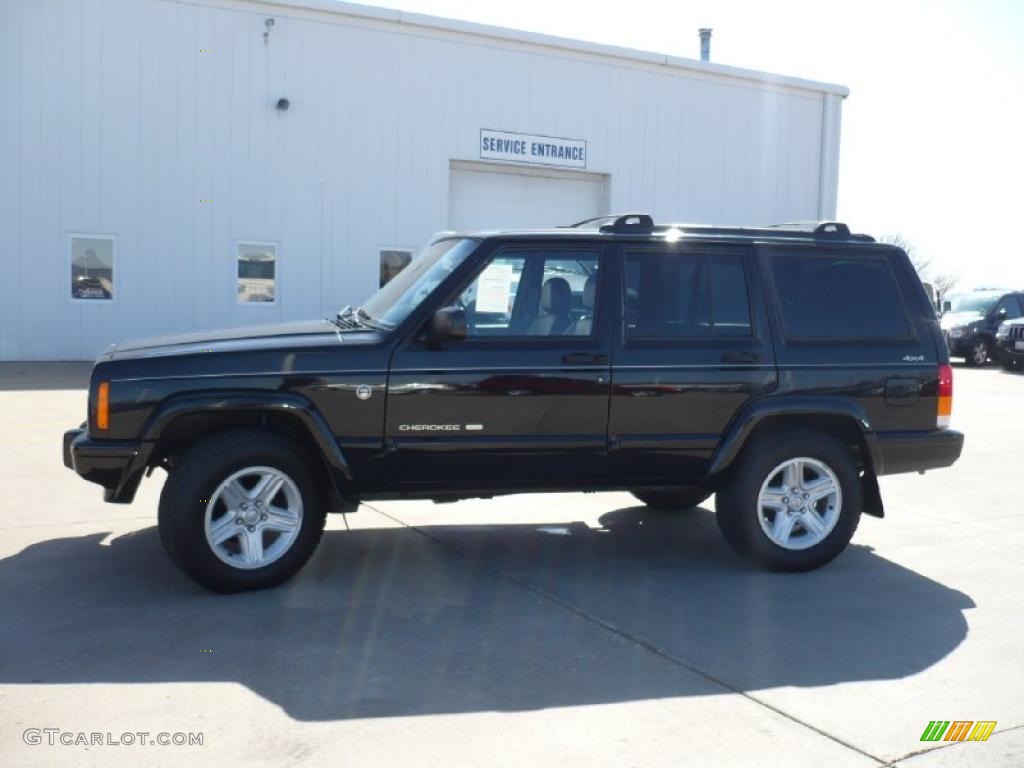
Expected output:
(589, 223)
(642, 223)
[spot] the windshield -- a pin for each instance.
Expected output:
(395, 301)
(973, 302)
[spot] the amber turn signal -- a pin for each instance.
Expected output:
(103, 405)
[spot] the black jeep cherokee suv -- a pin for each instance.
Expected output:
(782, 368)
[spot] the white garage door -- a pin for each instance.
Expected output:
(496, 197)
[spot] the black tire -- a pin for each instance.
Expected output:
(194, 479)
(680, 499)
(737, 504)
(979, 351)
(1010, 365)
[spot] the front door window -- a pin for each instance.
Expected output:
(533, 294)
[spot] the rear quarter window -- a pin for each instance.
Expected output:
(836, 297)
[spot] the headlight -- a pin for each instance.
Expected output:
(956, 333)
(1003, 332)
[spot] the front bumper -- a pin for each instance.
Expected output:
(917, 451)
(1006, 349)
(117, 465)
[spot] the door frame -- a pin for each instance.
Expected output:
(633, 451)
(491, 350)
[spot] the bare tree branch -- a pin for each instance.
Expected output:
(944, 283)
(922, 264)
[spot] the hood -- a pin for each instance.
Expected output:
(296, 333)
(959, 319)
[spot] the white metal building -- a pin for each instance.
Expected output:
(152, 180)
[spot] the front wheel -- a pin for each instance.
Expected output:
(241, 510)
(977, 353)
(793, 502)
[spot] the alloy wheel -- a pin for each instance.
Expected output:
(799, 503)
(979, 352)
(254, 517)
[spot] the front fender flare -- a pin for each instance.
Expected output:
(205, 402)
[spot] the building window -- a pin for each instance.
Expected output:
(92, 267)
(257, 276)
(393, 261)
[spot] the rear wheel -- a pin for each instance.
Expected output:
(241, 510)
(679, 499)
(793, 503)
(978, 352)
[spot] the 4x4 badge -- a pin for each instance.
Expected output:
(363, 392)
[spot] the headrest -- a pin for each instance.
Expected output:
(556, 296)
(590, 292)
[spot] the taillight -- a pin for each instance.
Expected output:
(945, 407)
(103, 405)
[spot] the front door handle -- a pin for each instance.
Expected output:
(584, 358)
(743, 358)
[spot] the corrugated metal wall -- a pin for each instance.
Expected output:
(123, 116)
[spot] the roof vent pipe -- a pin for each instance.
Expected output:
(705, 43)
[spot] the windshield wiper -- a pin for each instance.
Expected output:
(365, 318)
(345, 319)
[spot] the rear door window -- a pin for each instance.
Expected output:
(685, 295)
(838, 297)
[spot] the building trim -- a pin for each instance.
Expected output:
(413, 22)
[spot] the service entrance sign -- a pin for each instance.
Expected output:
(532, 148)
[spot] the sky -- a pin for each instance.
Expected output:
(932, 141)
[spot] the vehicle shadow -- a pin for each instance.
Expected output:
(391, 622)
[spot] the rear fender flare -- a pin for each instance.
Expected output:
(744, 424)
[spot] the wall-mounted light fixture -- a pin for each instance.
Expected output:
(282, 105)
(269, 24)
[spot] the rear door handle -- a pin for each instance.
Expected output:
(743, 358)
(584, 358)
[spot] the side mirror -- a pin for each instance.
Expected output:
(1002, 313)
(946, 306)
(447, 324)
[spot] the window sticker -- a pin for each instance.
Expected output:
(494, 289)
